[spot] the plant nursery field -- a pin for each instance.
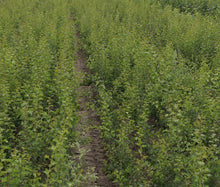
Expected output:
(109, 93)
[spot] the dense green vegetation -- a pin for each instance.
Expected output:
(157, 73)
(155, 65)
(37, 94)
(205, 7)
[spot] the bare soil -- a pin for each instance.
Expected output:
(90, 136)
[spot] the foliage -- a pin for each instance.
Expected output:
(38, 108)
(205, 7)
(157, 81)
(158, 85)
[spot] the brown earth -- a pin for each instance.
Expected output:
(90, 136)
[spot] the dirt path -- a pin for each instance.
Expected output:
(89, 135)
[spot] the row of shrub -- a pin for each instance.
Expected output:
(38, 83)
(157, 73)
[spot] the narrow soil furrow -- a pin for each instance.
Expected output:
(90, 136)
